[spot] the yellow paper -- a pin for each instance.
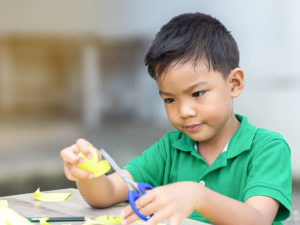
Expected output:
(104, 220)
(51, 197)
(3, 203)
(4, 222)
(43, 221)
(10, 217)
(98, 168)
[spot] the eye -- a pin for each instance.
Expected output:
(169, 100)
(198, 93)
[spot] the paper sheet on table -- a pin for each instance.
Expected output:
(51, 197)
(98, 168)
(10, 217)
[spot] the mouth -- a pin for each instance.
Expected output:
(193, 127)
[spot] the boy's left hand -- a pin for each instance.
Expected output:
(174, 202)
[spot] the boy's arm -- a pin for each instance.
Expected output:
(178, 200)
(104, 191)
(220, 209)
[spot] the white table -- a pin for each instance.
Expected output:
(27, 206)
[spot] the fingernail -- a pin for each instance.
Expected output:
(123, 221)
(89, 156)
(91, 176)
(81, 160)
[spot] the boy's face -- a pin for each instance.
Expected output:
(198, 102)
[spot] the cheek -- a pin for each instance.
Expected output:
(218, 106)
(171, 113)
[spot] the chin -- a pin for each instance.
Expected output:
(197, 137)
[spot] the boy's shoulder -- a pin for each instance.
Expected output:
(268, 140)
(265, 133)
(249, 130)
(261, 140)
(250, 137)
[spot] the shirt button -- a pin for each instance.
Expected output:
(202, 183)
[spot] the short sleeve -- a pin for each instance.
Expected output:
(269, 174)
(149, 167)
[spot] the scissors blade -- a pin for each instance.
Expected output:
(115, 166)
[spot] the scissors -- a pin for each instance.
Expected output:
(136, 190)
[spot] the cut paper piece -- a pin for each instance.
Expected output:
(43, 221)
(4, 222)
(104, 220)
(121, 204)
(92, 165)
(3, 203)
(10, 217)
(51, 197)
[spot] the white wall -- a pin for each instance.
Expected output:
(267, 33)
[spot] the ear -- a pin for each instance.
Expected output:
(235, 81)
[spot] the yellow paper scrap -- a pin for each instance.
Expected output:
(98, 168)
(121, 204)
(110, 220)
(10, 217)
(4, 222)
(51, 197)
(104, 220)
(3, 203)
(43, 221)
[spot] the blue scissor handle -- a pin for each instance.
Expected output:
(134, 195)
(143, 187)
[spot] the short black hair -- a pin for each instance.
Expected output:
(193, 37)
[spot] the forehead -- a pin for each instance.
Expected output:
(186, 74)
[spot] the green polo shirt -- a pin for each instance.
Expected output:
(256, 162)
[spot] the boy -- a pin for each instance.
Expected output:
(216, 167)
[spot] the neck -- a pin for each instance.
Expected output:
(210, 149)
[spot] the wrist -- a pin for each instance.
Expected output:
(198, 191)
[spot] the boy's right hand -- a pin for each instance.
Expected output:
(71, 159)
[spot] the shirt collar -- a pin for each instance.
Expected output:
(184, 143)
(241, 141)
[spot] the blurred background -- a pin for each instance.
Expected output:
(71, 69)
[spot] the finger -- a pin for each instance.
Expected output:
(83, 146)
(70, 155)
(127, 211)
(130, 219)
(134, 217)
(139, 203)
(159, 216)
(168, 213)
(69, 174)
(145, 208)
(175, 220)
(78, 173)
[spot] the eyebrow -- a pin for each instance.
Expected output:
(187, 89)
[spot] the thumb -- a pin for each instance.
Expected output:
(83, 146)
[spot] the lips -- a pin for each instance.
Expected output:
(193, 127)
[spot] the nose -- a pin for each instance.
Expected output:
(186, 110)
